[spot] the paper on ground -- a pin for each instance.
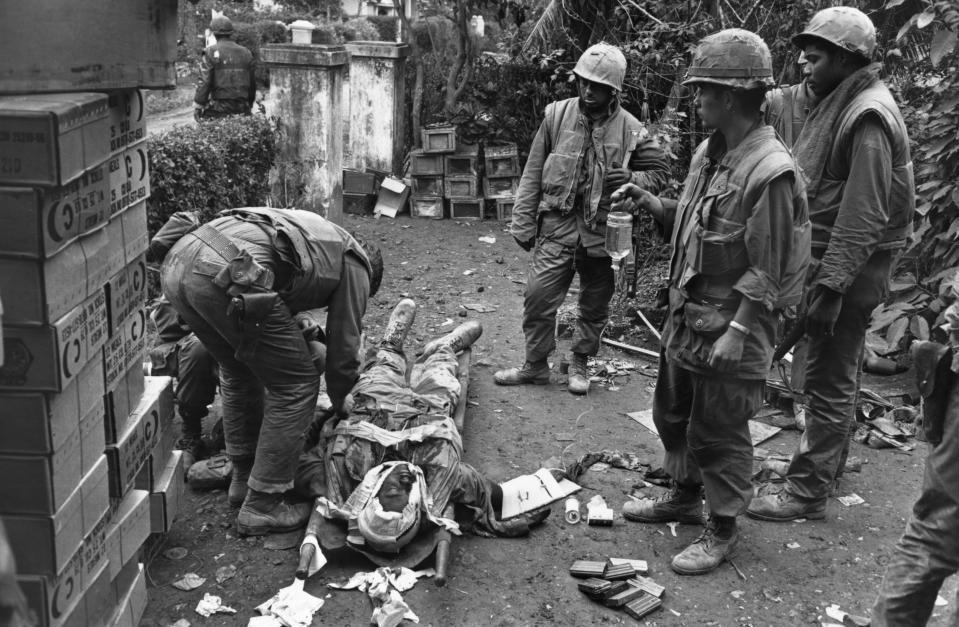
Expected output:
(211, 604)
(291, 606)
(529, 492)
(758, 431)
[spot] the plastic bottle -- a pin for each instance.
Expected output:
(619, 236)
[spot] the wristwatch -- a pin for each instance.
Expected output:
(738, 327)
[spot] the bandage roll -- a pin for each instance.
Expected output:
(572, 510)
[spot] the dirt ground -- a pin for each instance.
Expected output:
(792, 571)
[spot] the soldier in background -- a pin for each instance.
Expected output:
(227, 82)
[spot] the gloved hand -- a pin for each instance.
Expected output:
(824, 307)
(527, 246)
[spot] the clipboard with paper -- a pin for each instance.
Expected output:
(529, 492)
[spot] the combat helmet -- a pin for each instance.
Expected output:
(845, 27)
(734, 58)
(604, 64)
(221, 25)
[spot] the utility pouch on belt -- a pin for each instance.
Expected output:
(935, 378)
(251, 309)
(241, 273)
(707, 320)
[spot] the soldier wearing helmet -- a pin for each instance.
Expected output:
(585, 148)
(740, 240)
(227, 81)
(787, 108)
(854, 149)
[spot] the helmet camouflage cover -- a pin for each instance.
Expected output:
(734, 58)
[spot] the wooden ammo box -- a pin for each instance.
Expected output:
(88, 45)
(427, 185)
(504, 208)
(428, 207)
(426, 163)
(502, 187)
(464, 163)
(50, 139)
(439, 139)
(501, 160)
(461, 186)
(357, 182)
(466, 208)
(358, 204)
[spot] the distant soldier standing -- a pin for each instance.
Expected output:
(855, 151)
(227, 82)
(585, 148)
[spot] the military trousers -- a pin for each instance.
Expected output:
(832, 376)
(928, 551)
(703, 422)
(550, 276)
(268, 383)
(197, 378)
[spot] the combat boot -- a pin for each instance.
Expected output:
(458, 339)
(242, 466)
(532, 372)
(681, 504)
(784, 506)
(578, 382)
(715, 545)
(264, 513)
(394, 336)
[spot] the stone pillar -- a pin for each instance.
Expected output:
(378, 111)
(306, 86)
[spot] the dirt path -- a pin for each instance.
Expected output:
(793, 571)
(162, 122)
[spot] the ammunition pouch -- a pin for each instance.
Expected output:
(935, 378)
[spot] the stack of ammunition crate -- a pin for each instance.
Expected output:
(428, 172)
(502, 178)
(85, 438)
(359, 190)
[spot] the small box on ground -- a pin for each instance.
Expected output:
(643, 606)
(392, 197)
(426, 163)
(587, 568)
(504, 187)
(504, 208)
(428, 207)
(427, 184)
(439, 139)
(358, 182)
(501, 160)
(466, 208)
(50, 139)
(461, 186)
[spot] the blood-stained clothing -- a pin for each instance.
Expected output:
(741, 230)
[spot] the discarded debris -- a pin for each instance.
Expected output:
(672, 527)
(479, 307)
(792, 545)
(737, 594)
(189, 581)
(640, 566)
(181, 623)
(384, 586)
(224, 573)
(176, 553)
(290, 607)
(851, 499)
(488, 239)
(211, 604)
(598, 513)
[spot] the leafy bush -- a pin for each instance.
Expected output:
(217, 165)
(361, 29)
(385, 26)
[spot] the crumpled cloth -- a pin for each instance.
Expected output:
(616, 459)
(290, 607)
(211, 604)
(384, 586)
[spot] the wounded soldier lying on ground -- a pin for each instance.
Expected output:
(388, 476)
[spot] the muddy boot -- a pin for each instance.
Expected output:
(264, 513)
(241, 472)
(714, 546)
(681, 504)
(399, 325)
(458, 339)
(578, 382)
(784, 507)
(532, 372)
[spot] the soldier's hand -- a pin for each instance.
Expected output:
(616, 177)
(823, 312)
(527, 245)
(727, 351)
(632, 198)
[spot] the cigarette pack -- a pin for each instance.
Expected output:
(585, 568)
(595, 586)
(619, 571)
(643, 605)
(624, 597)
(647, 585)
